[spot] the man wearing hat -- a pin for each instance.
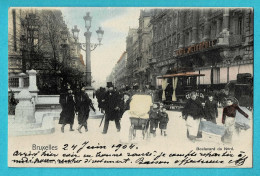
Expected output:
(68, 110)
(211, 108)
(111, 104)
(84, 104)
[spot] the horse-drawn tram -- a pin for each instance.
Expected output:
(176, 88)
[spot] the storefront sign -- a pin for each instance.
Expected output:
(197, 47)
(188, 95)
(166, 62)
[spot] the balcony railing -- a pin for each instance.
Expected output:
(13, 82)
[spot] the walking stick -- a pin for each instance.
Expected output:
(102, 120)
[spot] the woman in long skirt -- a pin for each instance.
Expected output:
(83, 107)
(192, 113)
(68, 110)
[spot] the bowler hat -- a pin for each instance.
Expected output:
(109, 84)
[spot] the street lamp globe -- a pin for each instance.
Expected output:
(100, 34)
(75, 33)
(87, 20)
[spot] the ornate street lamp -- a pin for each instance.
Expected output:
(75, 33)
(88, 46)
(100, 34)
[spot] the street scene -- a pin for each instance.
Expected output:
(140, 87)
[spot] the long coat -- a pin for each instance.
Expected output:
(111, 101)
(68, 109)
(211, 110)
(193, 108)
(83, 107)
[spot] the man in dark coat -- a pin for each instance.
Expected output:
(68, 110)
(192, 113)
(211, 109)
(84, 104)
(111, 104)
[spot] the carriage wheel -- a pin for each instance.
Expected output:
(131, 132)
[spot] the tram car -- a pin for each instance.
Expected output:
(177, 88)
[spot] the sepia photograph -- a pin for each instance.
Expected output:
(130, 87)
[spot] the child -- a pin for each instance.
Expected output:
(163, 121)
(211, 109)
(228, 119)
(154, 118)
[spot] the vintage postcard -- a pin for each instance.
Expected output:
(130, 87)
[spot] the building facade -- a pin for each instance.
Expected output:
(120, 72)
(36, 42)
(138, 50)
(217, 42)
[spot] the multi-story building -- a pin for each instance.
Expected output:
(217, 42)
(35, 42)
(138, 50)
(131, 41)
(120, 72)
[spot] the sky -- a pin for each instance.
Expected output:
(115, 22)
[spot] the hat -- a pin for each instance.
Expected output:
(109, 84)
(210, 94)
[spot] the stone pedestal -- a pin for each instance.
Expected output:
(21, 80)
(33, 85)
(25, 110)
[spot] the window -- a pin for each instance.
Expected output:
(215, 75)
(213, 29)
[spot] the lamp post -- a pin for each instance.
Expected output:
(88, 46)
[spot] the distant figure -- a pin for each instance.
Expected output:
(211, 109)
(154, 118)
(68, 110)
(228, 119)
(163, 121)
(125, 103)
(84, 104)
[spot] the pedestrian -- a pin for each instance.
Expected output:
(211, 109)
(125, 103)
(100, 96)
(84, 103)
(111, 104)
(154, 118)
(228, 119)
(192, 113)
(68, 110)
(163, 121)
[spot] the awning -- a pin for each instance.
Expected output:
(187, 74)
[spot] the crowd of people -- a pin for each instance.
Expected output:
(111, 102)
(114, 103)
(195, 110)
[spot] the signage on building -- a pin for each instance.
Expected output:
(166, 62)
(195, 48)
